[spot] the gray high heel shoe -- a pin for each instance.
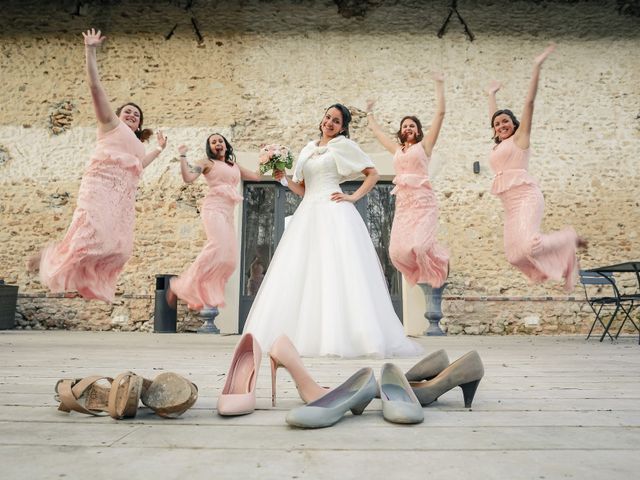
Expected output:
(429, 367)
(354, 394)
(466, 373)
(399, 403)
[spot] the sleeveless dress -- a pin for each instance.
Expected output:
(99, 240)
(413, 248)
(325, 287)
(202, 283)
(539, 256)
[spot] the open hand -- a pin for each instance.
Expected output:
(437, 76)
(370, 104)
(93, 38)
(162, 139)
(493, 87)
(342, 197)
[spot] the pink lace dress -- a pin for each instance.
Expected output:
(413, 248)
(202, 283)
(100, 239)
(539, 256)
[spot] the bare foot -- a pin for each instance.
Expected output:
(172, 299)
(33, 263)
(582, 243)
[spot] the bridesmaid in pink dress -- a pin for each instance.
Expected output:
(202, 284)
(413, 248)
(539, 256)
(99, 240)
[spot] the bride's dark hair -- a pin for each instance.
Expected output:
(346, 118)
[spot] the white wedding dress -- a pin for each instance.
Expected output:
(324, 287)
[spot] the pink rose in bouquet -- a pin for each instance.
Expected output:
(275, 158)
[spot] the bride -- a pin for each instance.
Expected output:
(324, 287)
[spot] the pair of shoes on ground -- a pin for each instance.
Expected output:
(433, 376)
(238, 396)
(168, 395)
(402, 395)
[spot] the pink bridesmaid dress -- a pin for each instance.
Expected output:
(202, 284)
(413, 248)
(99, 240)
(539, 256)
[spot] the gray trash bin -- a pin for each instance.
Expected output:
(8, 302)
(164, 316)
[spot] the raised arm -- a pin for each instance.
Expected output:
(429, 141)
(492, 89)
(189, 173)
(523, 134)
(107, 120)
(153, 154)
(386, 142)
(247, 174)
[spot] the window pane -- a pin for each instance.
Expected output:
(258, 233)
(291, 202)
(379, 216)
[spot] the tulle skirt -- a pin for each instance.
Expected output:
(325, 288)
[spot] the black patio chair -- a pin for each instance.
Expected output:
(627, 304)
(594, 283)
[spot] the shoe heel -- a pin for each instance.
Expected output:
(469, 391)
(358, 409)
(274, 371)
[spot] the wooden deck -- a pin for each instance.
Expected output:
(547, 408)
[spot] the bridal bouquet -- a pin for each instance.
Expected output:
(275, 157)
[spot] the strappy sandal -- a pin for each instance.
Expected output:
(169, 394)
(84, 395)
(124, 396)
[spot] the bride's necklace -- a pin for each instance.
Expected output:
(407, 146)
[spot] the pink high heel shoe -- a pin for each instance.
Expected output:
(284, 354)
(238, 396)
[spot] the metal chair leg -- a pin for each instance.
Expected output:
(627, 316)
(606, 330)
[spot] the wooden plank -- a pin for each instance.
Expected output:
(550, 407)
(73, 463)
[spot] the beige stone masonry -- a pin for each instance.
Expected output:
(264, 73)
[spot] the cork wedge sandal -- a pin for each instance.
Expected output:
(169, 394)
(124, 396)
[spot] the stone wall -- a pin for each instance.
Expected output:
(261, 71)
